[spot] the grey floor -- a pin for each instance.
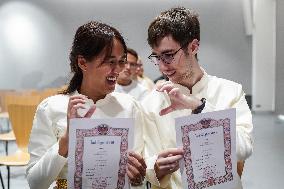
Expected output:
(263, 170)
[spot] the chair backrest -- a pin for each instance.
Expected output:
(21, 99)
(21, 117)
(48, 92)
(3, 94)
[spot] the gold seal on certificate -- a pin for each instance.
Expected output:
(98, 153)
(209, 143)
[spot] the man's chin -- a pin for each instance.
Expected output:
(177, 80)
(173, 79)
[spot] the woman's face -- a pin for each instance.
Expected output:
(101, 73)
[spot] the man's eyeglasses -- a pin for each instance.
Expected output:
(139, 65)
(165, 57)
(132, 65)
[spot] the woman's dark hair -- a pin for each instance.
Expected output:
(90, 40)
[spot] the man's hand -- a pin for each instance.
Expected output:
(168, 162)
(179, 101)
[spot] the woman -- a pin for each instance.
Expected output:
(97, 56)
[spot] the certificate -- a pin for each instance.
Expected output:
(97, 155)
(209, 143)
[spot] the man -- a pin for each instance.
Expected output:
(125, 84)
(174, 38)
(141, 77)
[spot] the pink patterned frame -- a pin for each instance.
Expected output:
(100, 130)
(203, 124)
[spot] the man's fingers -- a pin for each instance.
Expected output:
(169, 167)
(166, 110)
(169, 160)
(172, 151)
(161, 84)
(167, 88)
(175, 92)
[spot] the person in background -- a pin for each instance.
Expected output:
(174, 37)
(97, 56)
(125, 83)
(141, 77)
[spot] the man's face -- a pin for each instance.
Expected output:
(178, 69)
(139, 68)
(130, 68)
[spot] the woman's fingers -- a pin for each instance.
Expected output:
(138, 158)
(90, 112)
(137, 166)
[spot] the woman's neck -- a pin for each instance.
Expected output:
(94, 95)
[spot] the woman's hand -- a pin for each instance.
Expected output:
(75, 102)
(178, 100)
(136, 169)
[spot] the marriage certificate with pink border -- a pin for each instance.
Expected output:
(209, 143)
(97, 156)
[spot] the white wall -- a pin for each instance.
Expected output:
(225, 49)
(279, 86)
(32, 47)
(264, 55)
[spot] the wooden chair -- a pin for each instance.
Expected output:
(21, 99)
(48, 92)
(3, 94)
(16, 98)
(7, 137)
(21, 117)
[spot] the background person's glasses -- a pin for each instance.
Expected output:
(166, 57)
(132, 65)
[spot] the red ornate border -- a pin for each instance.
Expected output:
(100, 130)
(203, 124)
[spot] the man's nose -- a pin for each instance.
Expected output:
(127, 66)
(162, 65)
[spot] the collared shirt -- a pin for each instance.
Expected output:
(220, 94)
(135, 89)
(146, 82)
(50, 123)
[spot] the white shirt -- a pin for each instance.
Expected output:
(135, 89)
(220, 94)
(146, 82)
(49, 124)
